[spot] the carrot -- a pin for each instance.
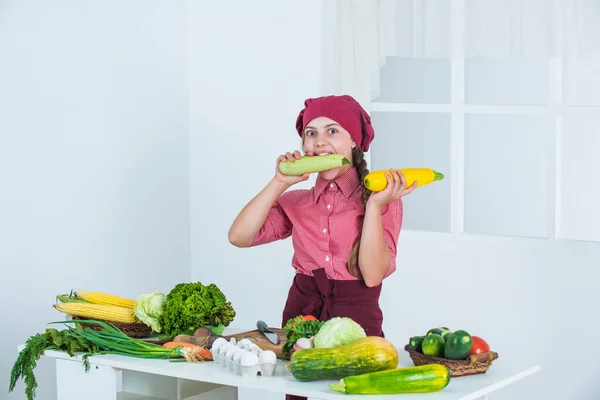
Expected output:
(175, 344)
(198, 352)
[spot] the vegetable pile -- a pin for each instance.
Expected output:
(187, 307)
(103, 323)
(441, 342)
(340, 349)
(192, 317)
(305, 331)
(300, 332)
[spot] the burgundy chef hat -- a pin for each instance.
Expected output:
(345, 111)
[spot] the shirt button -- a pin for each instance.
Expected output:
(325, 230)
(332, 185)
(327, 258)
(328, 206)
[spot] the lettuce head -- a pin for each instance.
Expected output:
(149, 307)
(338, 331)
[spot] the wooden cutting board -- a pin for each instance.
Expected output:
(261, 340)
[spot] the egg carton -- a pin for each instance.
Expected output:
(243, 357)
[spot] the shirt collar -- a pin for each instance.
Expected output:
(347, 183)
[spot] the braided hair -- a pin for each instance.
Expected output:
(358, 162)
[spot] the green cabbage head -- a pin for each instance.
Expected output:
(149, 307)
(338, 331)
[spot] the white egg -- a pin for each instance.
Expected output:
(268, 356)
(254, 348)
(267, 369)
(231, 351)
(249, 359)
(218, 343)
(223, 349)
(233, 340)
(238, 355)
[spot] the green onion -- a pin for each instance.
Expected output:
(109, 340)
(112, 340)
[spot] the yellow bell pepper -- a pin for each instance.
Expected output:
(376, 181)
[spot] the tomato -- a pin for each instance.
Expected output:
(479, 345)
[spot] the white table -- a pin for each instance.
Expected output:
(114, 377)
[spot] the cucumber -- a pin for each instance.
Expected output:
(415, 343)
(419, 379)
(442, 331)
(458, 346)
(433, 345)
(434, 331)
(309, 164)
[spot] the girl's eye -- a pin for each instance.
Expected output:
(310, 133)
(332, 130)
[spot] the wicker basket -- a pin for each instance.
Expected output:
(474, 364)
(137, 330)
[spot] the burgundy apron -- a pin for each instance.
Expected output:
(325, 298)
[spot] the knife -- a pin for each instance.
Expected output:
(264, 329)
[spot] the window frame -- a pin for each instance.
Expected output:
(458, 110)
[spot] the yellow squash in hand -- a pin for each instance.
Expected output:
(376, 181)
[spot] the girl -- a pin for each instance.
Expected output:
(344, 236)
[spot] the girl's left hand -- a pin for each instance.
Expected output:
(395, 189)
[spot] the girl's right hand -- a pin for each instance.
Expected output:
(289, 179)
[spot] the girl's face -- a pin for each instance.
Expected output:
(325, 136)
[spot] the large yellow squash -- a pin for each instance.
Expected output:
(376, 181)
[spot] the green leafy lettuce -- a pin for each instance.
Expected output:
(193, 305)
(149, 307)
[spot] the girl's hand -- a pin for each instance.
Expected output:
(395, 189)
(289, 179)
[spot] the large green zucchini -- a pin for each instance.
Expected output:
(419, 379)
(369, 354)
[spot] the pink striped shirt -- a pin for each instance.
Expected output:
(324, 222)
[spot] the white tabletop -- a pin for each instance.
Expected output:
(504, 371)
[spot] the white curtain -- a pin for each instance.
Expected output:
(364, 32)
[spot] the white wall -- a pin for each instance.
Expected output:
(248, 80)
(94, 162)
(250, 72)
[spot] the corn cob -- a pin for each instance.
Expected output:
(103, 298)
(98, 311)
